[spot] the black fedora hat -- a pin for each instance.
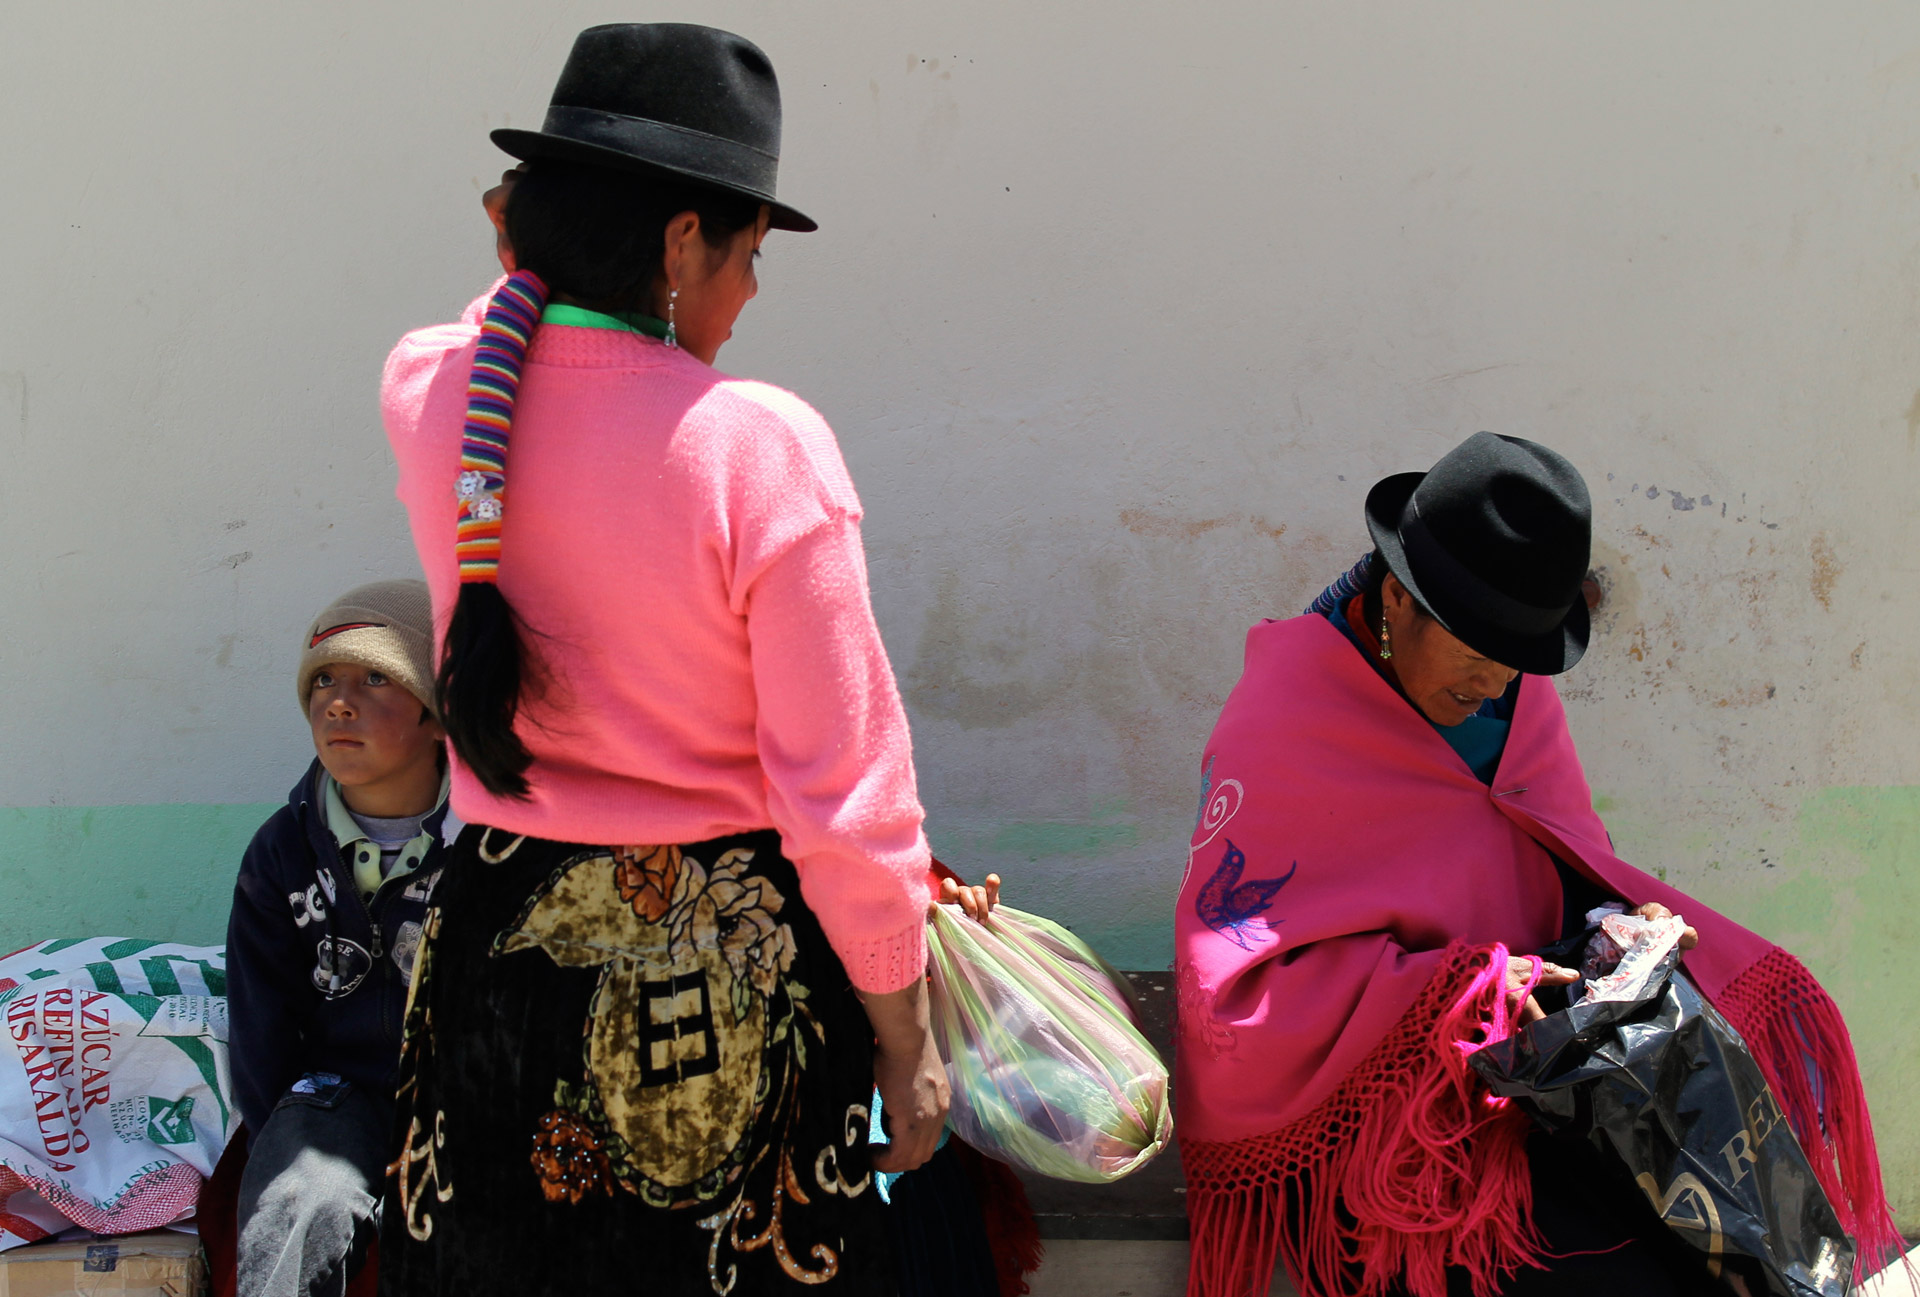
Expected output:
(1494, 541)
(688, 101)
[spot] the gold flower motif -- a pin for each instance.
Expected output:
(757, 948)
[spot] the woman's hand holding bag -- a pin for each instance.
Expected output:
(910, 1077)
(978, 901)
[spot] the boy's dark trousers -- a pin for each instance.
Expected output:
(309, 1201)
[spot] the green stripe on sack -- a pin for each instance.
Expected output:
(160, 976)
(196, 1049)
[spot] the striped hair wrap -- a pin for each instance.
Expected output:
(1350, 583)
(491, 389)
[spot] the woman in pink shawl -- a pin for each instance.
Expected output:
(1392, 818)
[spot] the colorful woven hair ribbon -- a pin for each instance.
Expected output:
(508, 327)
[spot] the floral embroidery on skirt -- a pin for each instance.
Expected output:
(631, 1060)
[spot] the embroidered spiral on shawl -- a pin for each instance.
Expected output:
(492, 387)
(1219, 805)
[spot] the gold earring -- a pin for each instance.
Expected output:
(1386, 640)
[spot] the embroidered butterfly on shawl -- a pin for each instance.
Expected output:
(1234, 909)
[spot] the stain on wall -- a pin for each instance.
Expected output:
(1826, 571)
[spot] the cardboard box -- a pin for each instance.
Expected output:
(159, 1264)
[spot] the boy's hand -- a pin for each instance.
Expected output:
(978, 901)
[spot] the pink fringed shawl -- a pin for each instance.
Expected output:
(1351, 894)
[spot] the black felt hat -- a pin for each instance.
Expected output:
(1494, 541)
(692, 102)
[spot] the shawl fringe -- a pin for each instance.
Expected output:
(1407, 1168)
(1798, 1037)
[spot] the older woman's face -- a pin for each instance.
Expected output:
(1444, 678)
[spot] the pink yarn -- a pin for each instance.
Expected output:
(1409, 1167)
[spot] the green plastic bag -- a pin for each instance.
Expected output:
(1047, 1067)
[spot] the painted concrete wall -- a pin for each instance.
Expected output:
(1118, 309)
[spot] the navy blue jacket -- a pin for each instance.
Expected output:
(316, 978)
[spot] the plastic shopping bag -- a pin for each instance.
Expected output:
(1047, 1067)
(1665, 1088)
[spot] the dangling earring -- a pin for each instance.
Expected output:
(673, 338)
(1386, 640)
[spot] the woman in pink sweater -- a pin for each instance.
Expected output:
(691, 893)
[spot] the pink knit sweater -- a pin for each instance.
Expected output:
(685, 547)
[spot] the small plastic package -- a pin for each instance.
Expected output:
(1637, 959)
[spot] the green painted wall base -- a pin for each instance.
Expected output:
(161, 872)
(1846, 902)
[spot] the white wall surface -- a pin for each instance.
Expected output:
(1118, 308)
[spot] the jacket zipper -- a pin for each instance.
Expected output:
(390, 1012)
(379, 948)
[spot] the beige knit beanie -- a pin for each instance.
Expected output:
(386, 626)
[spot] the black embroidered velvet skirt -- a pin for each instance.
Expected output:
(630, 1069)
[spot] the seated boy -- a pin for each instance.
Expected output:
(326, 921)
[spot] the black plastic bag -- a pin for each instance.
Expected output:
(1665, 1088)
